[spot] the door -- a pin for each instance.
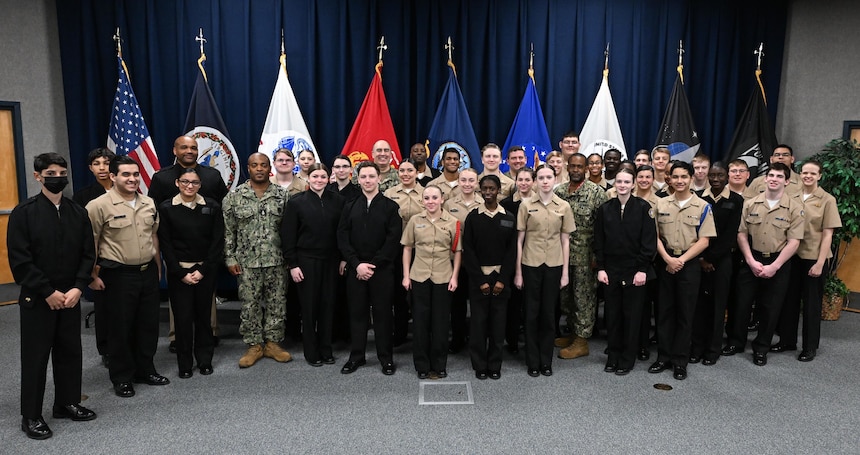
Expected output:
(11, 155)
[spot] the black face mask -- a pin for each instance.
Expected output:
(55, 184)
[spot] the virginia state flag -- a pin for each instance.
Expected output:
(285, 127)
(372, 124)
(677, 131)
(452, 127)
(529, 129)
(204, 123)
(754, 138)
(602, 131)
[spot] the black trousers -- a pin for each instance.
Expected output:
(316, 294)
(487, 330)
(540, 292)
(623, 307)
(678, 294)
(102, 325)
(652, 297)
(709, 320)
(809, 290)
(401, 305)
(375, 292)
(133, 317)
(49, 333)
(192, 321)
(431, 309)
(459, 310)
(514, 319)
(292, 311)
(769, 295)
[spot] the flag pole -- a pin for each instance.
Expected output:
(450, 48)
(283, 58)
(681, 60)
(118, 40)
(532, 62)
(606, 62)
(381, 48)
(759, 54)
(200, 39)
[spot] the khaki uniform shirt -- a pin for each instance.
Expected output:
(410, 201)
(770, 228)
(748, 193)
(124, 234)
(508, 185)
(680, 227)
(602, 183)
(296, 186)
(584, 202)
(252, 226)
(447, 190)
(651, 198)
(544, 225)
(819, 213)
(457, 207)
(433, 243)
(759, 186)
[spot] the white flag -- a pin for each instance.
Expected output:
(285, 127)
(601, 131)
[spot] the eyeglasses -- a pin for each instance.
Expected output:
(283, 161)
(191, 183)
(738, 171)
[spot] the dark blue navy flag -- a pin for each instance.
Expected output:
(678, 131)
(528, 130)
(754, 138)
(204, 123)
(452, 127)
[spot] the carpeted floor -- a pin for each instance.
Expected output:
(733, 407)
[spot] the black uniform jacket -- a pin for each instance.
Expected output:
(370, 234)
(191, 235)
(309, 226)
(625, 245)
(163, 184)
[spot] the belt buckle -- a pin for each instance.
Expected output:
(144, 267)
(677, 252)
(765, 255)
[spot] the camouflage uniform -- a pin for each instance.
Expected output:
(579, 298)
(253, 242)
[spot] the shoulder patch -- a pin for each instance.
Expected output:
(651, 213)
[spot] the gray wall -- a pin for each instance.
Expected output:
(30, 73)
(820, 75)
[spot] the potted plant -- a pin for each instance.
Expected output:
(840, 176)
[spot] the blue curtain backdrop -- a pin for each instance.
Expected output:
(331, 51)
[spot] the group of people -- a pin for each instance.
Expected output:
(514, 250)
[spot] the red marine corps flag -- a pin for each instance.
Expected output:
(373, 122)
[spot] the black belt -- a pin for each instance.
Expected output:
(764, 255)
(113, 265)
(675, 253)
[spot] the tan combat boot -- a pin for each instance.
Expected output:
(252, 355)
(274, 350)
(563, 342)
(579, 348)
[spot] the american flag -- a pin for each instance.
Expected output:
(128, 134)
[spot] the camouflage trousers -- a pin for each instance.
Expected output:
(579, 300)
(263, 292)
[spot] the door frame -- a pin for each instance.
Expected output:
(18, 132)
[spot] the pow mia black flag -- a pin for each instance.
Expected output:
(754, 138)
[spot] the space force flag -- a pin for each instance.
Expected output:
(373, 123)
(601, 130)
(128, 134)
(452, 127)
(285, 127)
(677, 131)
(529, 129)
(754, 138)
(204, 123)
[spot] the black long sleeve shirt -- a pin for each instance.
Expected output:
(309, 226)
(727, 218)
(370, 233)
(624, 245)
(163, 185)
(489, 242)
(191, 235)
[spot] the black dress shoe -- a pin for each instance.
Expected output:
(441, 374)
(731, 350)
(36, 428)
(610, 368)
(622, 371)
(659, 366)
(75, 412)
(760, 358)
(352, 365)
(206, 370)
(186, 374)
(328, 360)
(172, 347)
(753, 326)
(546, 370)
(481, 374)
(644, 354)
(783, 347)
(534, 372)
(423, 374)
(695, 359)
(388, 368)
(152, 379)
(123, 389)
(315, 363)
(653, 339)
(709, 362)
(495, 375)
(680, 373)
(806, 355)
